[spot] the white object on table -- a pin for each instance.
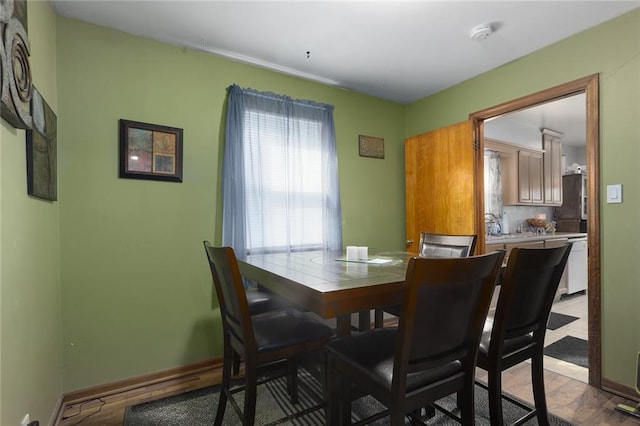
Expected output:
(363, 253)
(352, 253)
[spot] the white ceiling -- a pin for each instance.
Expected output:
(396, 50)
(567, 116)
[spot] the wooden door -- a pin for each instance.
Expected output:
(440, 183)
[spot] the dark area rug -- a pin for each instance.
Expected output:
(559, 320)
(570, 349)
(198, 408)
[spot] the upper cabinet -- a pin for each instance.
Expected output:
(552, 168)
(530, 176)
(530, 179)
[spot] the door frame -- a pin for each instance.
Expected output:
(588, 85)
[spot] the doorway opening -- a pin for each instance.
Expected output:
(589, 86)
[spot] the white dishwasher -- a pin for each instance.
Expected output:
(577, 266)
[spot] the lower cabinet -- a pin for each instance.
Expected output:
(532, 244)
(550, 242)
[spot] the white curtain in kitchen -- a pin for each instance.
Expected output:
(492, 183)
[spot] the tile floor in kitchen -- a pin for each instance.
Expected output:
(574, 305)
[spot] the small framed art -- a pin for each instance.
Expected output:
(42, 169)
(370, 146)
(150, 151)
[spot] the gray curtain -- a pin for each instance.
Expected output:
(280, 175)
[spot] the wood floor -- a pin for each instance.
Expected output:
(568, 398)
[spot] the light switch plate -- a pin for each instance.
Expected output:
(614, 193)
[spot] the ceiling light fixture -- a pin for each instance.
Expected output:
(481, 32)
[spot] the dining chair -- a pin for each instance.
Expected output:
(517, 330)
(259, 302)
(432, 351)
(433, 245)
(261, 339)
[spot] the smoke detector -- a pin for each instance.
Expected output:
(481, 32)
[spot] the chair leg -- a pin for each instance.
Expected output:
(430, 410)
(236, 363)
(250, 392)
(378, 318)
(397, 418)
(292, 380)
(537, 379)
(413, 419)
(495, 397)
(226, 380)
(466, 404)
(345, 401)
(332, 396)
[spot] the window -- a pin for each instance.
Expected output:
(280, 183)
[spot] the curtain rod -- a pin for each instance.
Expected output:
(277, 97)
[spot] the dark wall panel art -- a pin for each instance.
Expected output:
(17, 86)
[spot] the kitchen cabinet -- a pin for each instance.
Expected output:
(489, 247)
(530, 177)
(529, 244)
(523, 174)
(546, 242)
(540, 241)
(522, 177)
(552, 167)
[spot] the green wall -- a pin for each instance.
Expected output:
(613, 50)
(136, 288)
(111, 281)
(30, 335)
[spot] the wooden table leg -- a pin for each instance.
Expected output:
(364, 320)
(379, 318)
(343, 325)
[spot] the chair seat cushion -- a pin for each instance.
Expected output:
(261, 301)
(372, 353)
(509, 345)
(278, 329)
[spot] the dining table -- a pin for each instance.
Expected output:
(326, 283)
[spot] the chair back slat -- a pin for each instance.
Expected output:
(445, 303)
(443, 245)
(230, 292)
(528, 289)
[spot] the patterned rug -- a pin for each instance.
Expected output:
(198, 408)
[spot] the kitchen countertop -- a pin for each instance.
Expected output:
(530, 236)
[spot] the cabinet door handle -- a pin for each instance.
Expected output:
(409, 243)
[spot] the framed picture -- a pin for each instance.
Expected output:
(370, 146)
(42, 169)
(150, 151)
